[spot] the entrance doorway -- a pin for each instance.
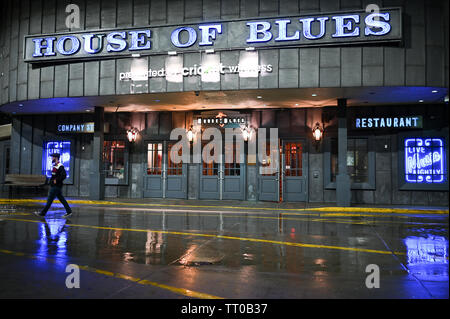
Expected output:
(223, 180)
(288, 181)
(294, 171)
(163, 178)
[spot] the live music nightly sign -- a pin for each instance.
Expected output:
(293, 31)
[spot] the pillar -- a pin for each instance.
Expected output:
(343, 192)
(97, 174)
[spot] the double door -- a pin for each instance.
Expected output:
(225, 180)
(288, 179)
(163, 178)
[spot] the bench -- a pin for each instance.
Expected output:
(24, 180)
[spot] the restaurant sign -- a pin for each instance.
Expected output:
(388, 122)
(294, 31)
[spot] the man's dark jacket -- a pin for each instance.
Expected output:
(58, 175)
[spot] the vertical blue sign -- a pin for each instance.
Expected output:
(60, 147)
(425, 160)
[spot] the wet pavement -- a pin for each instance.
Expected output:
(125, 251)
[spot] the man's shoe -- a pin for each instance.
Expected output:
(67, 215)
(39, 214)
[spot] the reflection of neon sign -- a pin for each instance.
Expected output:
(424, 160)
(427, 257)
(426, 250)
(60, 147)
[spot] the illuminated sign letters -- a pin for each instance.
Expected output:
(425, 160)
(76, 128)
(388, 122)
(314, 29)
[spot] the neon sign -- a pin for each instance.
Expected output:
(389, 122)
(60, 147)
(425, 160)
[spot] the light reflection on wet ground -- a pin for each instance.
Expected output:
(237, 268)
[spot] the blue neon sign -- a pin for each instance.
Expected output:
(425, 160)
(61, 147)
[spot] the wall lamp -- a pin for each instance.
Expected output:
(317, 132)
(246, 134)
(190, 135)
(132, 135)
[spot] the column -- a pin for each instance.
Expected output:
(343, 192)
(97, 175)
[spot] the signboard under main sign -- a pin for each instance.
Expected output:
(197, 70)
(224, 119)
(294, 31)
(388, 122)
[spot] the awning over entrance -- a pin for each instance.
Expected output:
(236, 99)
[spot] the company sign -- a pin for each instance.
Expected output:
(76, 128)
(294, 31)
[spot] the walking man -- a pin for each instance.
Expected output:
(56, 183)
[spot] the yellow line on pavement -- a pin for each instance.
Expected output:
(317, 209)
(180, 291)
(379, 210)
(385, 252)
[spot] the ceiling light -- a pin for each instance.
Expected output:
(172, 53)
(434, 91)
(314, 94)
(296, 104)
(259, 97)
(20, 104)
(420, 101)
(209, 51)
(250, 49)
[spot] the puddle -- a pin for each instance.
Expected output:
(201, 256)
(427, 257)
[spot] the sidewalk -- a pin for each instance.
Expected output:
(232, 205)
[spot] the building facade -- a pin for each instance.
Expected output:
(357, 90)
